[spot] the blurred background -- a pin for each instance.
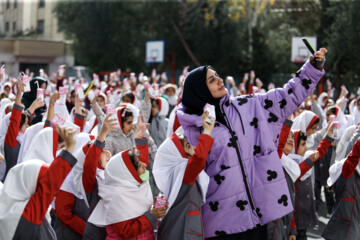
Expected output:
(233, 36)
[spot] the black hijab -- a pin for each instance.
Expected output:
(29, 97)
(196, 94)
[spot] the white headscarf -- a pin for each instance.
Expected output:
(123, 196)
(28, 137)
(291, 167)
(3, 104)
(303, 122)
(5, 121)
(42, 147)
(169, 169)
(68, 184)
(19, 186)
(340, 117)
(321, 99)
(163, 106)
(299, 159)
(134, 110)
(78, 170)
(61, 110)
(342, 145)
(336, 169)
(356, 113)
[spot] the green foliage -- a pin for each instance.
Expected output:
(112, 34)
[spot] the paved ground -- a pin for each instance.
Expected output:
(315, 233)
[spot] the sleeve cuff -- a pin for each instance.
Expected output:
(329, 139)
(31, 116)
(82, 117)
(309, 162)
(151, 218)
(47, 123)
(288, 123)
(17, 107)
(99, 144)
(141, 141)
(68, 157)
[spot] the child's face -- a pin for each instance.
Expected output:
(104, 158)
(189, 149)
(328, 114)
(126, 99)
(170, 92)
(25, 125)
(141, 167)
(312, 129)
(289, 146)
(128, 125)
(154, 108)
(100, 101)
(302, 148)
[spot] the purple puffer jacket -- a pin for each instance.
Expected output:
(247, 184)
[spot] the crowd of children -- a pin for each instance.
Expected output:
(135, 157)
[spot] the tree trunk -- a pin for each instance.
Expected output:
(183, 42)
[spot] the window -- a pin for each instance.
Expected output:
(41, 3)
(7, 26)
(40, 26)
(59, 28)
(7, 4)
(15, 3)
(14, 26)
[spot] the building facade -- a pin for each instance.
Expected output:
(31, 38)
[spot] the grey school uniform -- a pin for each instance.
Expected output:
(79, 209)
(304, 208)
(344, 223)
(184, 219)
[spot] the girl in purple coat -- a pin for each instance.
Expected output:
(247, 183)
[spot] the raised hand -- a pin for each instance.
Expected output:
(108, 125)
(141, 128)
(68, 135)
(314, 156)
(54, 97)
(319, 59)
(208, 127)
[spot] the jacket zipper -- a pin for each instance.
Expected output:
(239, 156)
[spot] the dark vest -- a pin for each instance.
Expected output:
(63, 231)
(344, 223)
(304, 208)
(184, 220)
(92, 231)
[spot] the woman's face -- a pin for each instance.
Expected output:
(128, 125)
(100, 100)
(104, 158)
(312, 129)
(215, 84)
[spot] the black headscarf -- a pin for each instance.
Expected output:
(29, 97)
(196, 94)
